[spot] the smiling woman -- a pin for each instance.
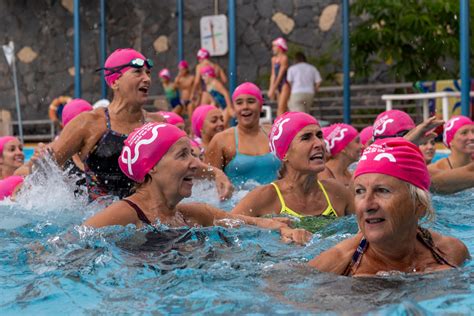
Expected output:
(11, 156)
(391, 196)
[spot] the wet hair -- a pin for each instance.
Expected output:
(423, 197)
(300, 57)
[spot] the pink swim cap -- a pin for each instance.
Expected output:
(452, 126)
(250, 89)
(145, 147)
(325, 131)
(208, 71)
(8, 186)
(203, 54)
(281, 43)
(199, 116)
(183, 65)
(73, 108)
(285, 128)
(165, 73)
(389, 123)
(396, 157)
(121, 56)
(194, 143)
(4, 140)
(366, 134)
(338, 136)
(171, 117)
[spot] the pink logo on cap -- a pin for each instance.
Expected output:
(339, 136)
(145, 147)
(285, 128)
(395, 157)
(391, 122)
(452, 126)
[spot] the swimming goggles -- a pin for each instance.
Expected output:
(134, 63)
(399, 134)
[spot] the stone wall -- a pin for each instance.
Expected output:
(43, 34)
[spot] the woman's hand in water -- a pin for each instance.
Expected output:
(223, 184)
(298, 236)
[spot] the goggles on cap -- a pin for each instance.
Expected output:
(399, 134)
(134, 63)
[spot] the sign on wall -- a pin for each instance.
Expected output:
(214, 34)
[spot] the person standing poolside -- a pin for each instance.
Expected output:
(345, 148)
(278, 81)
(216, 94)
(297, 140)
(203, 56)
(304, 80)
(206, 122)
(391, 185)
(158, 158)
(98, 136)
(243, 152)
(171, 91)
(456, 172)
(184, 82)
(11, 156)
(428, 150)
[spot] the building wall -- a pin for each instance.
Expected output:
(43, 34)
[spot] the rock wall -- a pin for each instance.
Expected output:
(44, 37)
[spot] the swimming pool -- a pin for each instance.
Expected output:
(49, 265)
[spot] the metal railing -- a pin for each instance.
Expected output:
(47, 125)
(424, 97)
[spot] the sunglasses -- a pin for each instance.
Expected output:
(399, 134)
(134, 63)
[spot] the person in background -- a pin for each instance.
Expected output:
(344, 145)
(296, 139)
(278, 81)
(184, 82)
(304, 80)
(206, 122)
(243, 151)
(428, 150)
(216, 94)
(163, 169)
(199, 86)
(11, 156)
(456, 172)
(391, 186)
(171, 91)
(173, 119)
(366, 136)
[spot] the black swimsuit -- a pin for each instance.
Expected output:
(423, 235)
(103, 174)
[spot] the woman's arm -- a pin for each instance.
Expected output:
(214, 154)
(453, 180)
(119, 213)
(257, 203)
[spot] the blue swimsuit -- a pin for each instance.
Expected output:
(242, 168)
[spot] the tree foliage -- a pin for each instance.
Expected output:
(417, 39)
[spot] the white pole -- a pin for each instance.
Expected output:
(445, 104)
(388, 106)
(426, 110)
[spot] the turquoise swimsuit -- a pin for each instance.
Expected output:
(219, 98)
(242, 168)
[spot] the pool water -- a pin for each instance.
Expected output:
(51, 265)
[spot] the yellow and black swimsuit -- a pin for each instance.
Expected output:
(329, 211)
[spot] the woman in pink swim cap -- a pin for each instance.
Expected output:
(279, 88)
(11, 156)
(297, 140)
(199, 85)
(391, 187)
(206, 122)
(344, 146)
(456, 172)
(158, 156)
(243, 152)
